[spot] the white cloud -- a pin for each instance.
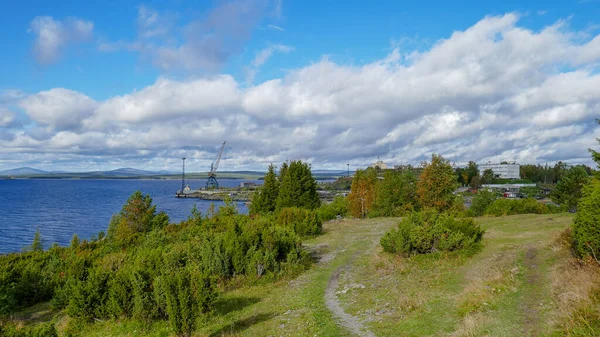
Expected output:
(52, 36)
(58, 108)
(167, 100)
(276, 28)
(261, 58)
(6, 117)
(204, 44)
(496, 91)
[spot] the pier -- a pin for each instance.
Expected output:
(236, 194)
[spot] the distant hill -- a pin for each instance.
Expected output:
(28, 172)
(133, 173)
(21, 171)
(330, 172)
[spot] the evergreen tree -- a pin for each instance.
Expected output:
(586, 226)
(37, 245)
(596, 154)
(297, 187)
(265, 199)
(437, 184)
(137, 216)
(568, 190)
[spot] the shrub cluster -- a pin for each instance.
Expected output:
(481, 201)
(429, 231)
(501, 207)
(148, 269)
(338, 207)
(39, 330)
(29, 278)
(304, 222)
(586, 226)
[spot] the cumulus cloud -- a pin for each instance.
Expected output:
(58, 108)
(52, 36)
(495, 91)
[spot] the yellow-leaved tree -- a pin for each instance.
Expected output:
(436, 184)
(362, 193)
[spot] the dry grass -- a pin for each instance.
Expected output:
(493, 276)
(574, 281)
(471, 325)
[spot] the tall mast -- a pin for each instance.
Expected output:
(183, 175)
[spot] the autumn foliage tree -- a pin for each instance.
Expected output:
(436, 184)
(363, 192)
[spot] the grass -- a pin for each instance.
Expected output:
(521, 281)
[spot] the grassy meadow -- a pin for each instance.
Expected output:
(521, 281)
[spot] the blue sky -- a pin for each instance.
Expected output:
(80, 81)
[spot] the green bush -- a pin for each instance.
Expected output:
(29, 278)
(586, 227)
(169, 273)
(303, 221)
(503, 206)
(481, 201)
(429, 231)
(38, 330)
(186, 294)
(339, 206)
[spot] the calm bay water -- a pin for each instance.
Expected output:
(61, 208)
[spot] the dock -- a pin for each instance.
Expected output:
(217, 194)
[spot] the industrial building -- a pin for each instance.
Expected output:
(502, 171)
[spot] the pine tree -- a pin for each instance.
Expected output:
(37, 245)
(136, 216)
(265, 199)
(569, 188)
(297, 187)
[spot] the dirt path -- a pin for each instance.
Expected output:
(531, 303)
(332, 302)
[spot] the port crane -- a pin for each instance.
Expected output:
(212, 175)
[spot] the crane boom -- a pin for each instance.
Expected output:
(219, 158)
(212, 180)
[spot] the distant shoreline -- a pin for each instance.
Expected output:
(176, 177)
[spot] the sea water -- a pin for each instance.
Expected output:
(61, 208)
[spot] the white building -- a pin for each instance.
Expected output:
(379, 165)
(503, 171)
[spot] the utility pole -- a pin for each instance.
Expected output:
(348, 165)
(183, 175)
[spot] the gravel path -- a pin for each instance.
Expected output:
(332, 302)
